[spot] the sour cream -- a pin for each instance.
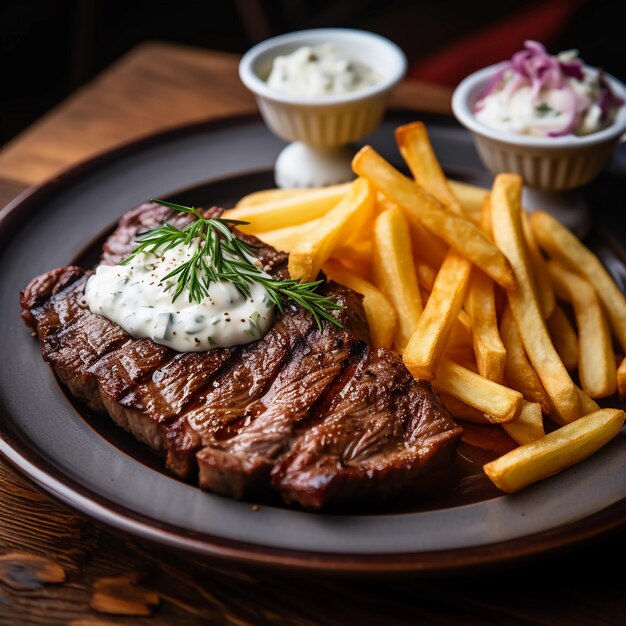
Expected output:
(136, 297)
(323, 70)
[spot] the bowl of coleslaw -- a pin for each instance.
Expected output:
(550, 118)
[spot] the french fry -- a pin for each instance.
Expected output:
(357, 250)
(556, 451)
(564, 338)
(288, 211)
(518, 371)
(508, 235)
(426, 275)
(285, 239)
(545, 291)
(395, 273)
(426, 246)
(588, 403)
(564, 246)
(461, 335)
(500, 403)
(596, 367)
(481, 306)
(487, 437)
(463, 411)
(357, 268)
(528, 426)
(415, 147)
(460, 338)
(381, 316)
(471, 197)
(420, 207)
(418, 153)
(270, 195)
(307, 257)
(621, 379)
(427, 344)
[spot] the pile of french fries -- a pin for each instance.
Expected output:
(513, 320)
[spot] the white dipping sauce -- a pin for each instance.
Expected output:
(323, 70)
(134, 297)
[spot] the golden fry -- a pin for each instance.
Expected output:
(564, 246)
(545, 291)
(461, 410)
(500, 403)
(381, 316)
(395, 273)
(596, 367)
(307, 257)
(471, 198)
(356, 250)
(481, 306)
(528, 426)
(427, 344)
(418, 153)
(508, 235)
(426, 275)
(420, 207)
(556, 451)
(288, 211)
(426, 246)
(285, 239)
(564, 338)
(270, 195)
(621, 379)
(518, 371)
(588, 403)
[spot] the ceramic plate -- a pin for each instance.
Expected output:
(85, 461)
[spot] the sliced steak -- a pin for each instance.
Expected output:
(318, 416)
(241, 464)
(231, 398)
(72, 338)
(377, 435)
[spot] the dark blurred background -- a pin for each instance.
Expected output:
(50, 48)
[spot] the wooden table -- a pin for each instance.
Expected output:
(59, 568)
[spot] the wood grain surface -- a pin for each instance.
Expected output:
(57, 568)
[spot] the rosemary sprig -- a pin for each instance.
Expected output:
(219, 255)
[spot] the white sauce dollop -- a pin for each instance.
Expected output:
(135, 297)
(323, 70)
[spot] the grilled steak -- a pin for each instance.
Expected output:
(318, 416)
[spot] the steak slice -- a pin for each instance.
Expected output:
(231, 398)
(72, 338)
(241, 464)
(318, 416)
(377, 435)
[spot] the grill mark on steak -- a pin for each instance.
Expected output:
(320, 417)
(72, 338)
(241, 464)
(231, 396)
(375, 437)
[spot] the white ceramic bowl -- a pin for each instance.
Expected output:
(326, 121)
(546, 163)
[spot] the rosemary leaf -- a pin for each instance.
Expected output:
(220, 256)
